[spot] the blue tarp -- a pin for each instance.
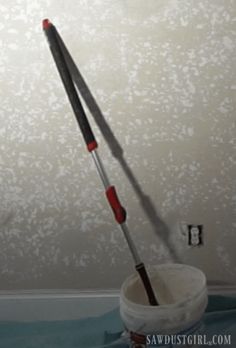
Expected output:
(105, 330)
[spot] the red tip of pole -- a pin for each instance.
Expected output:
(46, 23)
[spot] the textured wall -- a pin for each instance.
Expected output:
(163, 73)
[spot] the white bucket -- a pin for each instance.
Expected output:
(182, 296)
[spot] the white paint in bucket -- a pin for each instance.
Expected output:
(182, 295)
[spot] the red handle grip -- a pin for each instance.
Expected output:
(118, 210)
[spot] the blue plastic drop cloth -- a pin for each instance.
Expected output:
(105, 330)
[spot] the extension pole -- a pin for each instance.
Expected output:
(118, 210)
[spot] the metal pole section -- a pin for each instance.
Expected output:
(132, 247)
(139, 265)
(100, 169)
(123, 226)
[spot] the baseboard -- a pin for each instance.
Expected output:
(222, 290)
(67, 304)
(55, 304)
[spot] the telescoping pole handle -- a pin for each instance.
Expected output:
(118, 209)
(64, 72)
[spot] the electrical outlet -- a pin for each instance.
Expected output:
(195, 235)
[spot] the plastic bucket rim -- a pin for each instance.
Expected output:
(178, 305)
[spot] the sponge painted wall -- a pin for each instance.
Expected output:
(163, 75)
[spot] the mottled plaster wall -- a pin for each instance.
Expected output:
(163, 73)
